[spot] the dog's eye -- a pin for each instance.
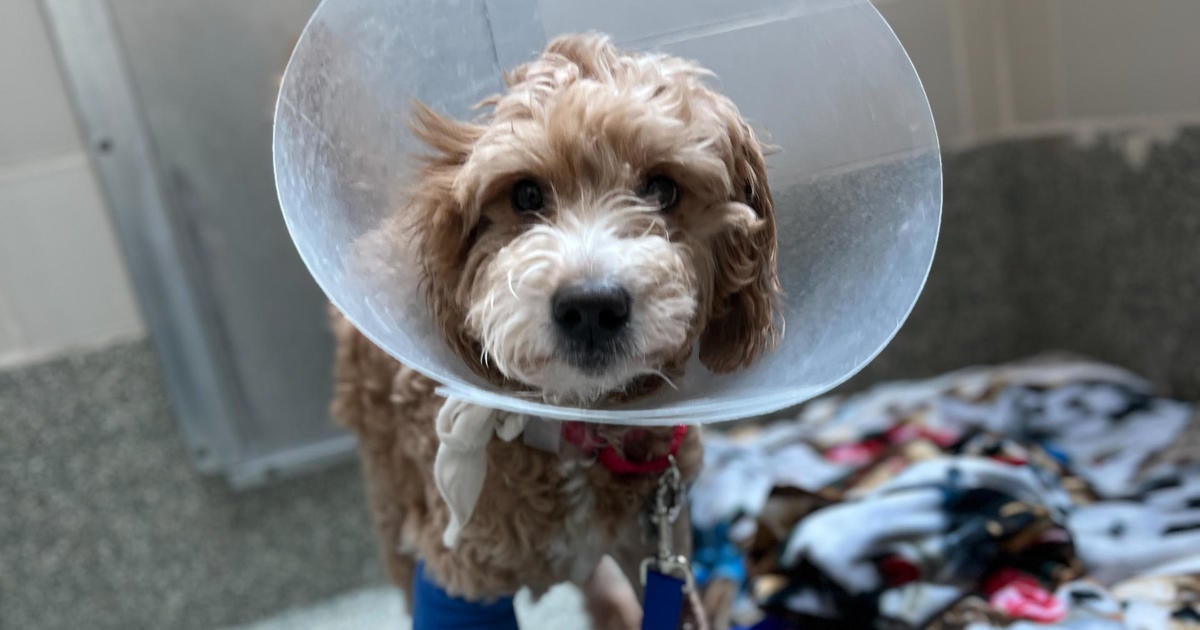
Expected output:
(526, 196)
(662, 191)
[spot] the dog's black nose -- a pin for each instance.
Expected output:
(591, 313)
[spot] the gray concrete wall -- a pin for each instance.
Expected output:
(1089, 244)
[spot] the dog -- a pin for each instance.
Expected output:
(607, 216)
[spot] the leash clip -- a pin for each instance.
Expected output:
(668, 501)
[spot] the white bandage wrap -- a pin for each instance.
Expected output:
(463, 432)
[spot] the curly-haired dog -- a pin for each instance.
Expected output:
(608, 215)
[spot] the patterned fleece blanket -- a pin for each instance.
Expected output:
(1052, 493)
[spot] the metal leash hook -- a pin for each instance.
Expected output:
(666, 576)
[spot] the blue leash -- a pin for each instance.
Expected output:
(664, 601)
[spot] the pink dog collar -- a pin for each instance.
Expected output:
(584, 438)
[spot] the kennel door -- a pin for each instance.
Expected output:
(176, 98)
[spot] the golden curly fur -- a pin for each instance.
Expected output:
(588, 125)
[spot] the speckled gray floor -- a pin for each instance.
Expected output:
(104, 525)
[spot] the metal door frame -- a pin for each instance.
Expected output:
(163, 261)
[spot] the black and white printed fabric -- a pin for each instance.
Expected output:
(1046, 494)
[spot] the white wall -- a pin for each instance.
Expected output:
(992, 68)
(62, 281)
(1002, 68)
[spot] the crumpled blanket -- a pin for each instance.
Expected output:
(1052, 493)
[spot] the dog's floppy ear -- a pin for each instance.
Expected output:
(451, 140)
(746, 291)
(443, 228)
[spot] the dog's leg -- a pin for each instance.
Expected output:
(380, 401)
(610, 598)
(402, 569)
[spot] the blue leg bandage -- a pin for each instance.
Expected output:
(435, 609)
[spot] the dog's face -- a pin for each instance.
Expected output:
(610, 213)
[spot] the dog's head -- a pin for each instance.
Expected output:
(609, 213)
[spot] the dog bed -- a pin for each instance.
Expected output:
(1052, 493)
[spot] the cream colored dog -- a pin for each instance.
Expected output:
(608, 216)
